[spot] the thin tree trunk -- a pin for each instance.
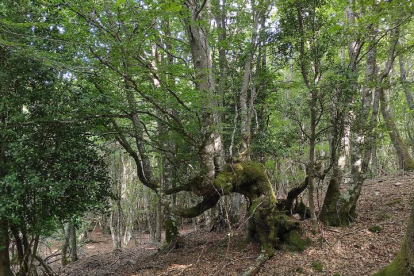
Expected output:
(4, 224)
(149, 215)
(4, 249)
(65, 245)
(158, 221)
(311, 165)
(73, 242)
(406, 85)
(401, 149)
(246, 107)
(115, 230)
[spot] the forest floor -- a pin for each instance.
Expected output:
(350, 251)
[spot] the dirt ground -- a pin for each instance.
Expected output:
(350, 251)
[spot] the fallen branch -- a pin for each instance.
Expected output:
(49, 271)
(255, 267)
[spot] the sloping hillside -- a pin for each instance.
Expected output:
(370, 243)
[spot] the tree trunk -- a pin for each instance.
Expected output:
(73, 242)
(403, 264)
(115, 233)
(269, 223)
(402, 151)
(246, 102)
(201, 57)
(65, 245)
(158, 222)
(4, 249)
(311, 164)
(406, 85)
(410, 100)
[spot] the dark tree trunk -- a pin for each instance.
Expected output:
(4, 249)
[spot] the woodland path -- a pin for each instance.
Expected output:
(351, 251)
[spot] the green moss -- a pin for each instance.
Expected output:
(383, 216)
(265, 228)
(336, 274)
(375, 229)
(396, 268)
(317, 266)
(294, 242)
(395, 202)
(171, 230)
(299, 270)
(224, 182)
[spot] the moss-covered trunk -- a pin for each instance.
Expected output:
(403, 264)
(329, 213)
(171, 230)
(268, 220)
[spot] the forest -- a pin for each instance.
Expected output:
(206, 137)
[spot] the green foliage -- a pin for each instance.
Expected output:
(51, 168)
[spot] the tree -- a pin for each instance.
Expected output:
(51, 168)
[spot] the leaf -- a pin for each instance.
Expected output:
(173, 7)
(119, 2)
(334, 29)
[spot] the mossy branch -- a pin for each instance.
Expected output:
(208, 202)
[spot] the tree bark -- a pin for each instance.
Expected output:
(149, 214)
(311, 164)
(65, 245)
(201, 57)
(410, 100)
(4, 249)
(269, 223)
(73, 242)
(401, 149)
(406, 85)
(246, 102)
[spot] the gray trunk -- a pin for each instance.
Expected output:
(406, 85)
(406, 160)
(73, 242)
(65, 245)
(210, 148)
(246, 102)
